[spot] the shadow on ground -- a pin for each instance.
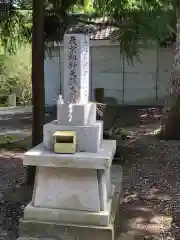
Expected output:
(149, 207)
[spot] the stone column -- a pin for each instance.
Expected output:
(76, 68)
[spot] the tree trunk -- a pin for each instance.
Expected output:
(37, 79)
(171, 118)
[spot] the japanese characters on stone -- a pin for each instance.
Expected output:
(86, 66)
(72, 67)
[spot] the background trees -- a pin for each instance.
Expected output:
(137, 21)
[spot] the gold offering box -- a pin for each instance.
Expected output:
(64, 142)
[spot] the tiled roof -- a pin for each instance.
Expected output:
(98, 31)
(97, 28)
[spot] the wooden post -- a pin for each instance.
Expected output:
(99, 98)
(37, 79)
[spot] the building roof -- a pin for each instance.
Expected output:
(97, 28)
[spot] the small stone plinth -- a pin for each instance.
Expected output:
(81, 114)
(88, 137)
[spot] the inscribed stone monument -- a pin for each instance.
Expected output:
(73, 193)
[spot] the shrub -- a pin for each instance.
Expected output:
(15, 75)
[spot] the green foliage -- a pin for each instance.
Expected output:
(139, 23)
(136, 23)
(83, 6)
(15, 30)
(25, 4)
(15, 75)
(16, 26)
(7, 82)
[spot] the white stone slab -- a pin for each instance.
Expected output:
(67, 188)
(105, 187)
(76, 68)
(102, 186)
(41, 156)
(101, 218)
(108, 180)
(117, 177)
(81, 114)
(88, 137)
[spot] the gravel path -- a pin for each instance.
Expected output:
(12, 177)
(150, 205)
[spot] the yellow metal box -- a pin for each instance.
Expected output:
(64, 142)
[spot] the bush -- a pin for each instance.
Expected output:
(15, 75)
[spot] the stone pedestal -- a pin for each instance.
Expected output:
(72, 192)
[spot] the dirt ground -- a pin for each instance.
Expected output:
(149, 207)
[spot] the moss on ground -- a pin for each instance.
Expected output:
(3, 105)
(15, 142)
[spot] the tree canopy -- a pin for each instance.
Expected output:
(136, 22)
(140, 22)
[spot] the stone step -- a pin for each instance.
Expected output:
(62, 231)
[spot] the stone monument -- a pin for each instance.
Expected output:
(73, 196)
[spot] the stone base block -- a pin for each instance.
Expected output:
(66, 188)
(81, 114)
(32, 230)
(48, 230)
(89, 137)
(101, 218)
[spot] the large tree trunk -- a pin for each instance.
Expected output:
(37, 79)
(171, 118)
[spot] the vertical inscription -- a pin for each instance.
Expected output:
(86, 68)
(76, 68)
(72, 66)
